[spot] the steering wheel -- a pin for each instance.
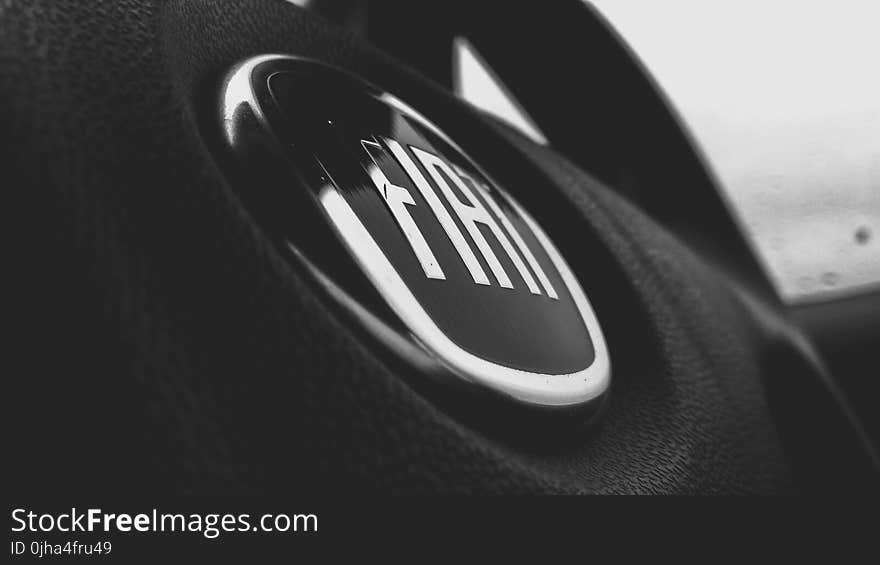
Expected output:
(194, 317)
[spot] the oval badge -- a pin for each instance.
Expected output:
(390, 211)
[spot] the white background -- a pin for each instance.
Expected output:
(784, 98)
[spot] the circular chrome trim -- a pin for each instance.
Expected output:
(240, 105)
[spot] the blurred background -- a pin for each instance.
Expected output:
(783, 97)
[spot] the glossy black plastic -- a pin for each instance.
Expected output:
(300, 128)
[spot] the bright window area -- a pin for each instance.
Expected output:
(784, 98)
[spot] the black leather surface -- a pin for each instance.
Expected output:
(167, 347)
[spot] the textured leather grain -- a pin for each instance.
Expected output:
(167, 347)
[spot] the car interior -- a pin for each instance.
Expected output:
(208, 299)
